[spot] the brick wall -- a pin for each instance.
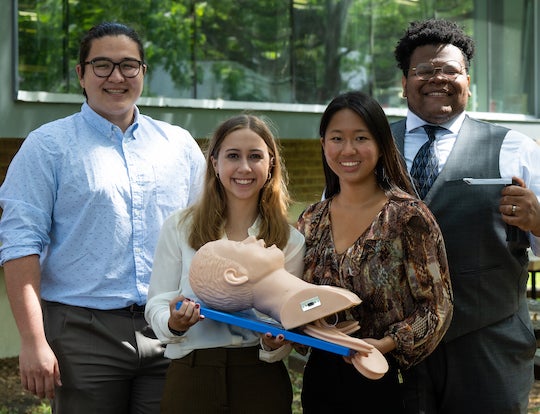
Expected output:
(302, 159)
(8, 148)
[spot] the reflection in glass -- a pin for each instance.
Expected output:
(282, 51)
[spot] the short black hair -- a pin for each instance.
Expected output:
(107, 29)
(432, 32)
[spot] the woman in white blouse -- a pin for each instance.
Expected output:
(218, 367)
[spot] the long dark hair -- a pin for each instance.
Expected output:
(390, 170)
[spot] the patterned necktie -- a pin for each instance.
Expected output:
(425, 167)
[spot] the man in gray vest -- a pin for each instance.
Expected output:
(485, 362)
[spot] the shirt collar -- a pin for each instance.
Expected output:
(414, 122)
(254, 229)
(135, 125)
(105, 127)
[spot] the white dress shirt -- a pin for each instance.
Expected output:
(519, 156)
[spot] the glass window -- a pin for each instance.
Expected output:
(504, 82)
(282, 51)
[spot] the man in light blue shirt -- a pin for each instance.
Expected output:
(83, 203)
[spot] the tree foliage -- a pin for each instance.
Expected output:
(266, 50)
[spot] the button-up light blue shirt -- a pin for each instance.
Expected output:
(90, 201)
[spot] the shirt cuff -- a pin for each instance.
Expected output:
(535, 244)
(276, 355)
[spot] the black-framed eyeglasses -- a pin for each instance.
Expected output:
(104, 67)
(450, 70)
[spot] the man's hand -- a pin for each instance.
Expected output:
(519, 207)
(38, 365)
(39, 370)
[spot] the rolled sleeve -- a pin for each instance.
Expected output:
(26, 198)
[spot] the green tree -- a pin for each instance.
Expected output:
(303, 51)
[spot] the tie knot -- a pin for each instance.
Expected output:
(430, 131)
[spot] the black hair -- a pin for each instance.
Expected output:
(390, 170)
(432, 32)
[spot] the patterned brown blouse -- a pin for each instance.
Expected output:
(398, 268)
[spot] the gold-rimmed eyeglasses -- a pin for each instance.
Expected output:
(104, 67)
(450, 70)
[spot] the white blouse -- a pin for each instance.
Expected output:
(170, 278)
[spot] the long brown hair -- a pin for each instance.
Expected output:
(210, 212)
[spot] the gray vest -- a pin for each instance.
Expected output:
(489, 274)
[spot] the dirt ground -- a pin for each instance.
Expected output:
(17, 401)
(12, 397)
(534, 398)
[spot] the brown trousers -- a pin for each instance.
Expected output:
(226, 380)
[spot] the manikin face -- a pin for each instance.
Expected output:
(224, 273)
(243, 165)
(112, 97)
(350, 149)
(437, 99)
(252, 254)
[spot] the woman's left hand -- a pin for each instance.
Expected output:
(273, 342)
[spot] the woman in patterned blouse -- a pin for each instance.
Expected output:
(372, 236)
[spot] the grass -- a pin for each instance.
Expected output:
(42, 408)
(296, 380)
(295, 210)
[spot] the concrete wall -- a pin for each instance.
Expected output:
(9, 337)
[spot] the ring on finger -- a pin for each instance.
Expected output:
(513, 213)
